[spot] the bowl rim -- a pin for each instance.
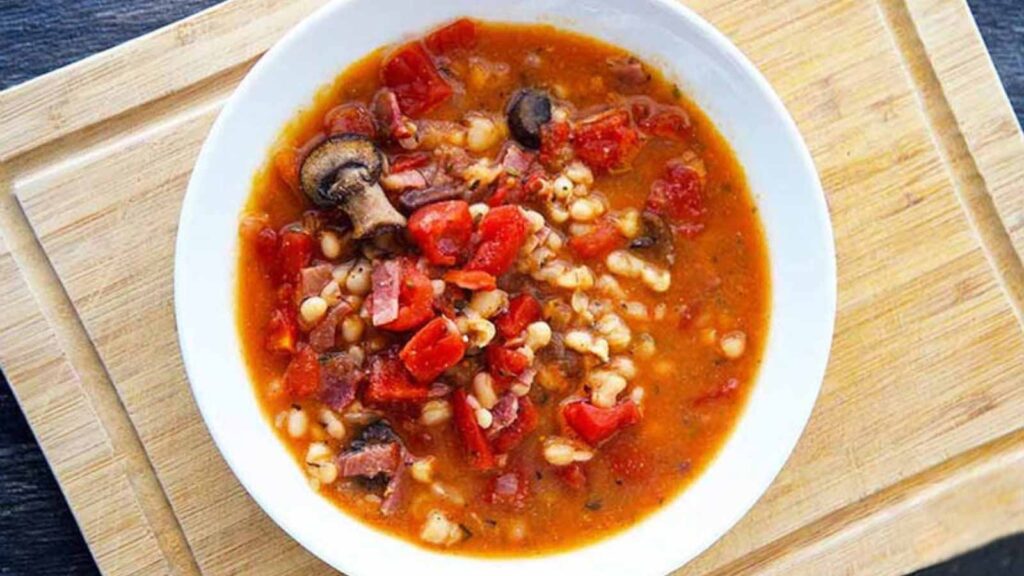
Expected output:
(664, 564)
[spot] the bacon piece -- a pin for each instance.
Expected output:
(339, 381)
(396, 488)
(312, 279)
(322, 336)
(628, 70)
(517, 161)
(504, 412)
(389, 116)
(370, 461)
(386, 278)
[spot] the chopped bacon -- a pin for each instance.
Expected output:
(393, 124)
(312, 279)
(395, 491)
(508, 489)
(516, 161)
(339, 381)
(628, 70)
(504, 412)
(322, 336)
(370, 461)
(405, 180)
(386, 287)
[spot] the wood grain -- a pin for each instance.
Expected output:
(918, 426)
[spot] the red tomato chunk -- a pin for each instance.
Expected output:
(442, 231)
(523, 310)
(502, 232)
(390, 382)
(595, 425)
(435, 348)
(413, 77)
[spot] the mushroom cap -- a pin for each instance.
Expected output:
(339, 166)
(528, 110)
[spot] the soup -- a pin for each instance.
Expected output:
(502, 289)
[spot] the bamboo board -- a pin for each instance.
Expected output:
(915, 450)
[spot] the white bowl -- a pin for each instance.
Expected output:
(711, 71)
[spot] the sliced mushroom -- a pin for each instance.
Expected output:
(656, 240)
(528, 110)
(344, 171)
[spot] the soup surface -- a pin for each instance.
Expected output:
(501, 289)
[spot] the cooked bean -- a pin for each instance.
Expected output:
(313, 310)
(483, 389)
(298, 423)
(330, 245)
(435, 412)
(359, 281)
(733, 344)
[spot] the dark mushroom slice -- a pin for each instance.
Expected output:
(528, 110)
(656, 240)
(344, 171)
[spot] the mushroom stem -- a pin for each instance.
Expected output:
(371, 212)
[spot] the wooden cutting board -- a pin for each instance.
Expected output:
(915, 450)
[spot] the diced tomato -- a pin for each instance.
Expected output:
(471, 279)
(415, 300)
(526, 421)
(473, 439)
(302, 377)
(506, 361)
(678, 196)
(286, 162)
(442, 230)
(390, 382)
(350, 118)
(523, 310)
(607, 141)
(508, 489)
(596, 425)
(435, 348)
(597, 243)
(502, 233)
(293, 253)
(410, 161)
(412, 76)
(266, 246)
(555, 150)
(572, 475)
(458, 34)
(281, 333)
(508, 192)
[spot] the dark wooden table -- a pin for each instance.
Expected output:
(38, 535)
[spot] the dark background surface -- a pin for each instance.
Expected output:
(38, 535)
